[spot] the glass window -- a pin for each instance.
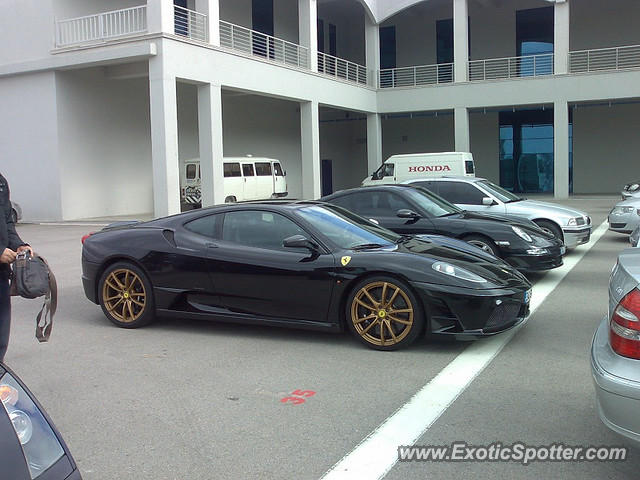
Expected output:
(259, 229)
(232, 170)
(191, 171)
(499, 192)
(469, 167)
(427, 185)
(460, 192)
(263, 169)
(207, 226)
(278, 169)
(345, 229)
(432, 204)
(247, 170)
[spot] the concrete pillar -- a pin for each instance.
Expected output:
(308, 28)
(211, 8)
(210, 137)
(461, 130)
(160, 16)
(460, 40)
(164, 139)
(374, 142)
(310, 140)
(372, 45)
(561, 149)
(561, 37)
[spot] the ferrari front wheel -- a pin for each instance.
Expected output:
(126, 295)
(384, 314)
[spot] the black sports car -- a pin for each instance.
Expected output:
(30, 445)
(301, 264)
(407, 209)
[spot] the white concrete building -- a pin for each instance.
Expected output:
(101, 101)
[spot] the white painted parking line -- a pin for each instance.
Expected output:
(378, 452)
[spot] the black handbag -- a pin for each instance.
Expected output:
(32, 278)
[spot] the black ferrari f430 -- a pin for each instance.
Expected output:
(300, 264)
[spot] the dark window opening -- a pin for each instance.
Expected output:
(232, 170)
(263, 169)
(247, 170)
(534, 41)
(262, 20)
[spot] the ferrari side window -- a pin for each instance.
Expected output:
(207, 226)
(258, 229)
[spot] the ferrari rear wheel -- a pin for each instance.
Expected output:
(384, 314)
(125, 295)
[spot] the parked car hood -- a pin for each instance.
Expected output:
(534, 208)
(630, 202)
(507, 220)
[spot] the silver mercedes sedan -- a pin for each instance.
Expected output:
(625, 216)
(615, 350)
(476, 194)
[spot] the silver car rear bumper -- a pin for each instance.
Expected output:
(617, 384)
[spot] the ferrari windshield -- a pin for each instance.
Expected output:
(499, 192)
(345, 229)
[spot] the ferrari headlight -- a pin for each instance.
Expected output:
(39, 443)
(455, 271)
(522, 234)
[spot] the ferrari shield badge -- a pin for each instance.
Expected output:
(345, 260)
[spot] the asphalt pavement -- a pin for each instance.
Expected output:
(202, 400)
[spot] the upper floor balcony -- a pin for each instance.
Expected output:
(133, 22)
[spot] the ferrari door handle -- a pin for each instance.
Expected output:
(211, 245)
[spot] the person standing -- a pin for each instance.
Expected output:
(10, 245)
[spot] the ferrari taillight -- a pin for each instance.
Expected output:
(84, 237)
(624, 326)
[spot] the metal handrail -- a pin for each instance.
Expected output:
(191, 24)
(341, 68)
(415, 76)
(254, 43)
(101, 26)
(599, 59)
(511, 67)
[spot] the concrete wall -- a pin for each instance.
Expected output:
(616, 23)
(285, 16)
(21, 43)
(344, 142)
(485, 144)
(29, 144)
(105, 145)
(349, 20)
(417, 135)
(605, 147)
(264, 127)
(79, 8)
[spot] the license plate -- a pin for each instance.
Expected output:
(527, 296)
(191, 190)
(563, 250)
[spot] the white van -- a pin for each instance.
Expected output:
(399, 168)
(245, 178)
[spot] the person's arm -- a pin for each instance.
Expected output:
(14, 241)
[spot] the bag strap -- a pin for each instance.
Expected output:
(44, 320)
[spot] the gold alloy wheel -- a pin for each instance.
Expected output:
(124, 296)
(382, 313)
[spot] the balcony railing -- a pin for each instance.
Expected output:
(513, 67)
(616, 58)
(101, 27)
(341, 68)
(191, 24)
(258, 44)
(416, 76)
